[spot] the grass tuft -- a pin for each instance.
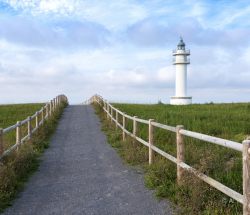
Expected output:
(16, 168)
(229, 121)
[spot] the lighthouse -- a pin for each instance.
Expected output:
(181, 61)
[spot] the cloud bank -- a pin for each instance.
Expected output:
(122, 50)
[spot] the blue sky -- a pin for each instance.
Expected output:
(122, 49)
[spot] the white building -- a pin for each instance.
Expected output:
(181, 61)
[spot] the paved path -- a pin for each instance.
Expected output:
(81, 174)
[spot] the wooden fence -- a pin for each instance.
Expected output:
(39, 117)
(113, 115)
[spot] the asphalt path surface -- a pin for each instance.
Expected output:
(80, 173)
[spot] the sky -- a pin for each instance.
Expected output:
(122, 49)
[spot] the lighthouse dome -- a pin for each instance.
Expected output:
(181, 45)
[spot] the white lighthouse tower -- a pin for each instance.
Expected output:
(181, 61)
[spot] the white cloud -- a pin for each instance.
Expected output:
(102, 12)
(35, 7)
(126, 12)
(58, 6)
(166, 74)
(119, 49)
(231, 16)
(135, 77)
(56, 35)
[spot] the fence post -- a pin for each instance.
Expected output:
(55, 101)
(111, 118)
(47, 110)
(18, 134)
(37, 120)
(108, 111)
(246, 177)
(123, 127)
(50, 108)
(180, 153)
(42, 114)
(51, 105)
(54, 104)
(116, 119)
(151, 142)
(1, 142)
(29, 127)
(134, 126)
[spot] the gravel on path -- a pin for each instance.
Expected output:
(80, 173)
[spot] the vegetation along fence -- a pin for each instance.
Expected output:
(113, 114)
(38, 118)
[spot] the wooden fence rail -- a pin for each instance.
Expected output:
(179, 160)
(39, 118)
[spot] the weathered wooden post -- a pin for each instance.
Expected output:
(134, 126)
(47, 110)
(37, 120)
(151, 141)
(50, 108)
(246, 177)
(180, 153)
(123, 127)
(18, 134)
(116, 119)
(29, 127)
(108, 112)
(1, 142)
(111, 118)
(104, 105)
(54, 104)
(42, 115)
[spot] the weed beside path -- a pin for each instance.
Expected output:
(81, 174)
(16, 168)
(229, 121)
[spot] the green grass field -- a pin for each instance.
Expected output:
(10, 114)
(229, 121)
(16, 168)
